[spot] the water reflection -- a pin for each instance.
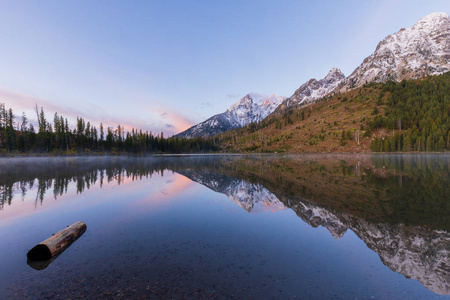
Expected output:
(17, 176)
(399, 190)
(397, 204)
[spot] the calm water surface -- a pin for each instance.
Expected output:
(262, 227)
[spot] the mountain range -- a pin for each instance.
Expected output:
(411, 53)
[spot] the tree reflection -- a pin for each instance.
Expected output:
(408, 189)
(58, 174)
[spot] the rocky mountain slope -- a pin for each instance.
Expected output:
(315, 89)
(242, 113)
(411, 53)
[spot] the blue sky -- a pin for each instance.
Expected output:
(166, 65)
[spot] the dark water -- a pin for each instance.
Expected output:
(226, 227)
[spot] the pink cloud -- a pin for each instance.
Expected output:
(169, 120)
(149, 119)
(20, 103)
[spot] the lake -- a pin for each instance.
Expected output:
(229, 227)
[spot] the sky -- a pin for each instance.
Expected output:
(163, 66)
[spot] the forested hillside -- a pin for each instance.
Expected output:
(419, 113)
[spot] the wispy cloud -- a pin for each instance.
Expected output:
(232, 96)
(260, 98)
(206, 104)
(257, 97)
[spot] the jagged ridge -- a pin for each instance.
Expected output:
(315, 89)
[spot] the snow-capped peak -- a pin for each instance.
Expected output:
(414, 52)
(432, 21)
(334, 74)
(316, 89)
(240, 114)
(246, 101)
(247, 111)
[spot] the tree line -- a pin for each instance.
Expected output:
(58, 137)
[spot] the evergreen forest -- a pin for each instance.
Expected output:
(57, 137)
(418, 115)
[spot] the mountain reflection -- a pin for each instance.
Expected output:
(414, 251)
(245, 194)
(397, 204)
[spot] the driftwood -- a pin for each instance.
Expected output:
(52, 247)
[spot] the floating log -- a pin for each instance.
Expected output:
(57, 243)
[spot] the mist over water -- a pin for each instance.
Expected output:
(341, 226)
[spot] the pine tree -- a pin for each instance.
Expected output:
(448, 141)
(386, 146)
(102, 135)
(441, 144)
(407, 144)
(10, 132)
(23, 126)
(429, 145)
